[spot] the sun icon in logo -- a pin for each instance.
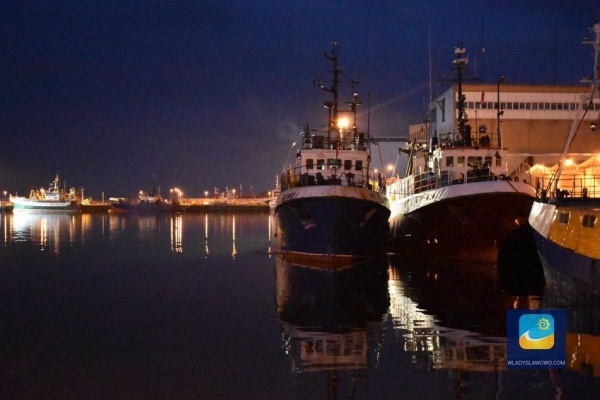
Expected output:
(543, 324)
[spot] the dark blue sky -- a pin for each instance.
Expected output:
(212, 93)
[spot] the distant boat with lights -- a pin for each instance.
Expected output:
(458, 199)
(565, 216)
(329, 203)
(147, 202)
(54, 199)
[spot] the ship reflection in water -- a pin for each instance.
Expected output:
(454, 316)
(43, 231)
(583, 322)
(51, 232)
(331, 320)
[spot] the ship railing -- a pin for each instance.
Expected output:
(346, 141)
(569, 186)
(302, 176)
(429, 180)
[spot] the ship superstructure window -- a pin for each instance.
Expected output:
(449, 161)
(359, 165)
(334, 162)
(320, 163)
(474, 162)
(347, 165)
(529, 106)
(310, 163)
(588, 221)
(460, 161)
(563, 218)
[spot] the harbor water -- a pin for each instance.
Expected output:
(198, 306)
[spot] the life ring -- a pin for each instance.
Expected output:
(457, 137)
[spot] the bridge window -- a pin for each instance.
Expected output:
(320, 163)
(359, 165)
(460, 161)
(588, 221)
(310, 163)
(449, 161)
(334, 162)
(347, 165)
(563, 218)
(474, 162)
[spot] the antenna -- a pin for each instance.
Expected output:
(482, 50)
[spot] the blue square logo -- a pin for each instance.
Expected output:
(536, 331)
(536, 339)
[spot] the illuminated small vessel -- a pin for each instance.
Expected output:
(330, 203)
(147, 202)
(459, 198)
(565, 216)
(52, 200)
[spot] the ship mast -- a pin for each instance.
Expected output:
(332, 106)
(460, 63)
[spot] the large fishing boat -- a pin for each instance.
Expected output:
(330, 203)
(458, 198)
(52, 200)
(565, 215)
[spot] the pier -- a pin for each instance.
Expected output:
(199, 205)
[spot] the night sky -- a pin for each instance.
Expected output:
(198, 94)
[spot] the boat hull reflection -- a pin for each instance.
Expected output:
(331, 320)
(583, 322)
(454, 315)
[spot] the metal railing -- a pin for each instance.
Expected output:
(301, 176)
(429, 180)
(578, 186)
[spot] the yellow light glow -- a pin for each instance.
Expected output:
(568, 162)
(390, 167)
(343, 123)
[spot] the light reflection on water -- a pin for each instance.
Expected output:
(53, 231)
(196, 306)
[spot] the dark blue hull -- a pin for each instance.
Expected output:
(562, 263)
(332, 226)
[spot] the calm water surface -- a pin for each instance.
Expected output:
(197, 307)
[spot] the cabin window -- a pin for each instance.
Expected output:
(359, 165)
(460, 161)
(310, 163)
(488, 161)
(347, 165)
(498, 162)
(474, 162)
(588, 221)
(320, 163)
(563, 218)
(334, 162)
(534, 106)
(450, 161)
